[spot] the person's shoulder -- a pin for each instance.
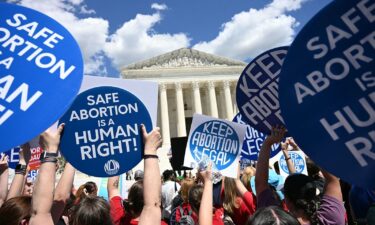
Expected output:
(331, 209)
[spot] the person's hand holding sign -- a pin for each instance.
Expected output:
(205, 209)
(152, 184)
(50, 141)
(277, 134)
(151, 140)
(292, 143)
(285, 148)
(261, 174)
(45, 183)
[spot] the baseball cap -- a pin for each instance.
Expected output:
(138, 175)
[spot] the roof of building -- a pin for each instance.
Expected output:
(184, 57)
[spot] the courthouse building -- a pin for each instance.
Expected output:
(190, 81)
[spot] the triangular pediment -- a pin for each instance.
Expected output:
(184, 58)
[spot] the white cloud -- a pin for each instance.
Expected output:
(136, 41)
(159, 7)
(90, 33)
(251, 32)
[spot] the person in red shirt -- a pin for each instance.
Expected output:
(238, 202)
(143, 205)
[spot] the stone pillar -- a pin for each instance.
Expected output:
(197, 98)
(228, 101)
(181, 127)
(213, 103)
(234, 101)
(164, 114)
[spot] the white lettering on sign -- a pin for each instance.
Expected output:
(20, 92)
(354, 57)
(215, 142)
(88, 139)
(266, 101)
(347, 121)
(32, 52)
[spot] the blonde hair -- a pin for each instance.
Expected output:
(230, 202)
(248, 172)
(186, 184)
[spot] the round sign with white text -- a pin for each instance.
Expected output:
(217, 140)
(41, 70)
(327, 86)
(257, 92)
(102, 135)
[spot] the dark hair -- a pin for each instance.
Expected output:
(272, 215)
(312, 169)
(168, 175)
(195, 197)
(276, 167)
(300, 190)
(90, 188)
(91, 210)
(134, 203)
(16, 209)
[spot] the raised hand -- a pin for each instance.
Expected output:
(50, 141)
(277, 134)
(151, 140)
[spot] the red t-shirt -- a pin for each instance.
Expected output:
(118, 214)
(246, 209)
(217, 218)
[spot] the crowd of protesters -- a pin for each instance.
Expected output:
(259, 195)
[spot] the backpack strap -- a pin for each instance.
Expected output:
(190, 212)
(181, 211)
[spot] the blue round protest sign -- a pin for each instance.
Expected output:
(41, 70)
(253, 142)
(327, 90)
(102, 135)
(298, 162)
(257, 90)
(216, 139)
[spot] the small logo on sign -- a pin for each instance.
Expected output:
(111, 167)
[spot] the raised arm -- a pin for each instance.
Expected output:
(62, 192)
(288, 160)
(246, 195)
(4, 173)
(205, 209)
(332, 186)
(261, 173)
(151, 212)
(113, 187)
(45, 183)
(18, 182)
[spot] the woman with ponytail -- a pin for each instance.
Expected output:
(303, 201)
(301, 194)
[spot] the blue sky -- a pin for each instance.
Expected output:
(115, 33)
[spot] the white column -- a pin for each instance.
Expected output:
(164, 114)
(234, 101)
(213, 103)
(197, 98)
(228, 101)
(181, 127)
